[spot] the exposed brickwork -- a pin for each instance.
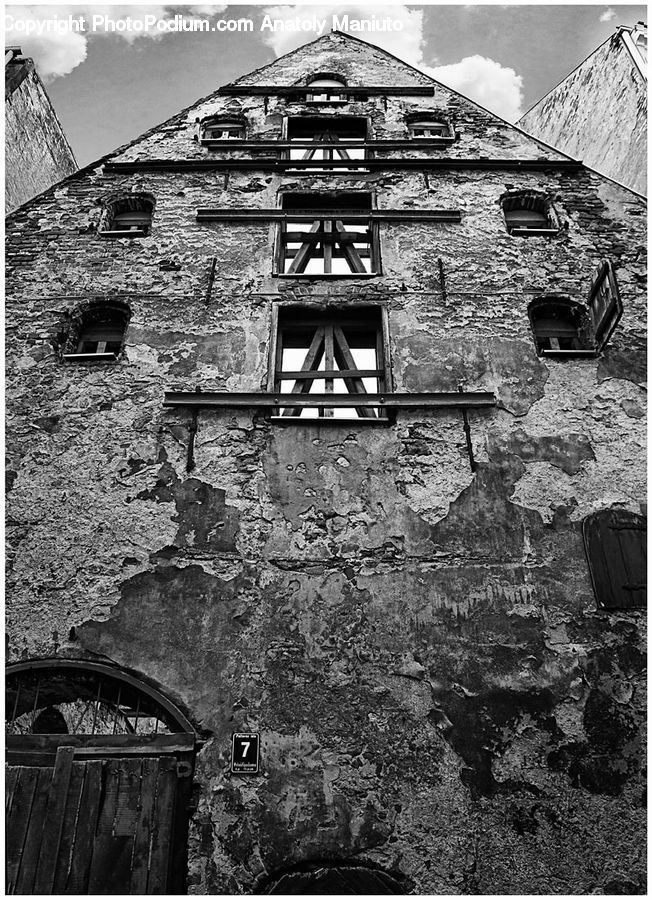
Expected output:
(418, 643)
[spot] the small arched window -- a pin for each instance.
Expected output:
(558, 324)
(129, 216)
(330, 86)
(529, 213)
(564, 328)
(616, 550)
(222, 128)
(429, 129)
(97, 332)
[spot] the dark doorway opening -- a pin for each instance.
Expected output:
(336, 878)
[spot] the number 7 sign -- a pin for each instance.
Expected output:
(244, 753)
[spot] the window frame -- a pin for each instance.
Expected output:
(116, 312)
(313, 215)
(358, 143)
(536, 199)
(327, 96)
(227, 120)
(322, 314)
(427, 122)
(575, 309)
(109, 212)
(597, 317)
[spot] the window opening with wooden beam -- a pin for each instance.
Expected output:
(565, 328)
(332, 234)
(331, 87)
(330, 353)
(327, 138)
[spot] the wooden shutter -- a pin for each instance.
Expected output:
(615, 544)
(605, 307)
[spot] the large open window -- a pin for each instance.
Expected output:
(337, 351)
(327, 234)
(327, 138)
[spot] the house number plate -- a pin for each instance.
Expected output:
(244, 753)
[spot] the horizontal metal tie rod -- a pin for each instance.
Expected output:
(344, 143)
(380, 164)
(228, 399)
(205, 214)
(271, 90)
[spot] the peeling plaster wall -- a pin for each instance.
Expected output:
(418, 643)
(37, 153)
(598, 114)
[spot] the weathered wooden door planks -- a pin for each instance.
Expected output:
(101, 826)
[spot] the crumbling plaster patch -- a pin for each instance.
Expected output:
(575, 402)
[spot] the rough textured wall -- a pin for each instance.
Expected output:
(37, 153)
(599, 114)
(418, 643)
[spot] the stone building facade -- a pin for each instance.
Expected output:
(407, 590)
(37, 153)
(598, 113)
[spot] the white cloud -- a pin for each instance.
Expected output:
(497, 88)
(54, 54)
(608, 15)
(57, 49)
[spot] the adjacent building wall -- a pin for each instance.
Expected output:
(37, 153)
(598, 113)
(417, 641)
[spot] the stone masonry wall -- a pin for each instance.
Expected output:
(37, 153)
(599, 114)
(418, 643)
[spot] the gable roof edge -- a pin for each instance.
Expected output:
(572, 71)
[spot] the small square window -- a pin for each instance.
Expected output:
(338, 352)
(327, 235)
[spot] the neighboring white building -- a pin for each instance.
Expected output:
(598, 113)
(37, 153)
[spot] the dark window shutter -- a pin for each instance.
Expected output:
(615, 544)
(605, 307)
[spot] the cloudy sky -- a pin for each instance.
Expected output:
(109, 87)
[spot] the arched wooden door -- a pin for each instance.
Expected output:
(99, 777)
